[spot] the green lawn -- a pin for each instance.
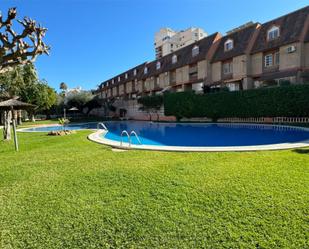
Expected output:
(68, 192)
(56, 121)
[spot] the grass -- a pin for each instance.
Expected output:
(40, 122)
(56, 121)
(68, 192)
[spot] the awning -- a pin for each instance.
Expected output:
(278, 75)
(233, 80)
(157, 89)
(73, 109)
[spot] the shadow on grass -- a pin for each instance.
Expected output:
(302, 151)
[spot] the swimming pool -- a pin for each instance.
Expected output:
(195, 136)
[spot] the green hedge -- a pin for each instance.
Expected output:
(151, 102)
(288, 101)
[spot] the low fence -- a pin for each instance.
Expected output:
(259, 126)
(276, 120)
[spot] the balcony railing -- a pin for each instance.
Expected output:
(193, 76)
(173, 81)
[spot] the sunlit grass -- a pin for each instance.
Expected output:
(68, 192)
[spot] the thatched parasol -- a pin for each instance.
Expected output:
(73, 109)
(14, 104)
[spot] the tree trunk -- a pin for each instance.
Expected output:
(15, 114)
(2, 118)
(32, 117)
(7, 125)
(19, 117)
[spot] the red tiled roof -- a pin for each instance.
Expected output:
(291, 27)
(241, 41)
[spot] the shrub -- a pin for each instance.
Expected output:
(151, 102)
(92, 104)
(78, 99)
(284, 82)
(63, 122)
(292, 101)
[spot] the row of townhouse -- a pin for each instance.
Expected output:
(247, 57)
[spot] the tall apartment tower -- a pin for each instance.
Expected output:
(168, 40)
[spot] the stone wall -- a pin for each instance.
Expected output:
(133, 112)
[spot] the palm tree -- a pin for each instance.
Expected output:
(63, 86)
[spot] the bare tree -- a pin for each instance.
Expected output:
(18, 49)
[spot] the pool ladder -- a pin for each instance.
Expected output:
(102, 125)
(132, 133)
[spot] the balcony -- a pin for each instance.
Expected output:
(172, 78)
(193, 76)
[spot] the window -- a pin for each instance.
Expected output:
(174, 59)
(228, 45)
(273, 33)
(118, 78)
(268, 60)
(277, 58)
(157, 82)
(272, 59)
(291, 49)
(195, 50)
(228, 67)
(172, 77)
(158, 66)
(193, 74)
(112, 81)
(145, 70)
(135, 72)
(166, 38)
(126, 75)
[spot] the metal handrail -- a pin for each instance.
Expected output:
(124, 132)
(134, 133)
(129, 138)
(103, 125)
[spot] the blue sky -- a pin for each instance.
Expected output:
(93, 40)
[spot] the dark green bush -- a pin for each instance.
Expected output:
(284, 83)
(291, 101)
(151, 102)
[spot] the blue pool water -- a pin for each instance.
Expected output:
(197, 134)
(175, 134)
